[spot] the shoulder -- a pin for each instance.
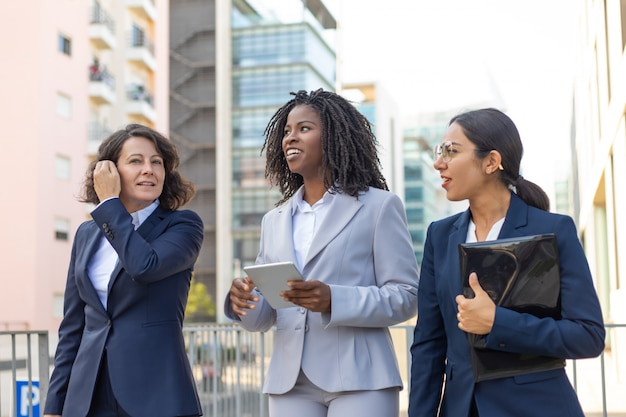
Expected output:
(554, 220)
(188, 215)
(447, 222)
(376, 195)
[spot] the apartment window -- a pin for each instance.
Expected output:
(61, 229)
(64, 105)
(57, 306)
(65, 44)
(62, 167)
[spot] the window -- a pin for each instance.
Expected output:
(65, 44)
(61, 229)
(62, 167)
(57, 306)
(64, 105)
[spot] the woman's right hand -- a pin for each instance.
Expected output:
(241, 296)
(106, 180)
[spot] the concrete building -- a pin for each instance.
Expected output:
(380, 108)
(233, 63)
(598, 143)
(73, 72)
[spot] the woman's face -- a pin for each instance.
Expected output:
(142, 173)
(462, 175)
(302, 142)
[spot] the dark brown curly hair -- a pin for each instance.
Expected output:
(177, 190)
(349, 147)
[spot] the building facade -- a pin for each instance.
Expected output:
(74, 76)
(598, 143)
(233, 63)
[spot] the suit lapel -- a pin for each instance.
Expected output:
(342, 209)
(283, 226)
(148, 231)
(457, 236)
(516, 218)
(90, 237)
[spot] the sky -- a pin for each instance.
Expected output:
(436, 55)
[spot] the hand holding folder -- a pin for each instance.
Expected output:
(521, 274)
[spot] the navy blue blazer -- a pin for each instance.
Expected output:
(441, 348)
(141, 328)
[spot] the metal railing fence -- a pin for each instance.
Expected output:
(229, 365)
(18, 363)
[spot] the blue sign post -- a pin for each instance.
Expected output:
(21, 402)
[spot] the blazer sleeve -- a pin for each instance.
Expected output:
(394, 297)
(70, 332)
(174, 250)
(428, 351)
(263, 316)
(580, 331)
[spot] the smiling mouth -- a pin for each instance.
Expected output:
(291, 152)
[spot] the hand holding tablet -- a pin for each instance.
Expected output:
(272, 278)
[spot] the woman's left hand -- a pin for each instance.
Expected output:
(313, 295)
(476, 315)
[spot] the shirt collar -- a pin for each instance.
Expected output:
(298, 203)
(144, 213)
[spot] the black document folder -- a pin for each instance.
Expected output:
(521, 274)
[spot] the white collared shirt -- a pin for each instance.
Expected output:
(305, 221)
(103, 262)
(492, 235)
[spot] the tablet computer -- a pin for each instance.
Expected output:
(272, 278)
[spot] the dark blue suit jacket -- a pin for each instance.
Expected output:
(141, 327)
(441, 348)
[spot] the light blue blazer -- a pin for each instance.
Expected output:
(441, 348)
(363, 251)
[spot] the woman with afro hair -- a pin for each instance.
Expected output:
(347, 235)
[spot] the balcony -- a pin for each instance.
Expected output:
(96, 133)
(101, 85)
(144, 8)
(141, 50)
(101, 28)
(140, 103)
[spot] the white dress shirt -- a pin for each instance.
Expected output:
(306, 220)
(492, 235)
(105, 258)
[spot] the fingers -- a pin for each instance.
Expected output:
(241, 296)
(313, 295)
(106, 180)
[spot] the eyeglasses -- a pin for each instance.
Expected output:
(445, 151)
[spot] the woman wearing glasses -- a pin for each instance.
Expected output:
(479, 161)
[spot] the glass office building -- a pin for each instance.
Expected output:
(271, 58)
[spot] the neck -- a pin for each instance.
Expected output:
(313, 191)
(488, 209)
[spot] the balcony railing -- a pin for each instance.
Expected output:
(140, 102)
(141, 49)
(101, 85)
(102, 28)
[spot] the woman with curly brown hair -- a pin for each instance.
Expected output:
(121, 350)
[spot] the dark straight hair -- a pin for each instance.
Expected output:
(490, 129)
